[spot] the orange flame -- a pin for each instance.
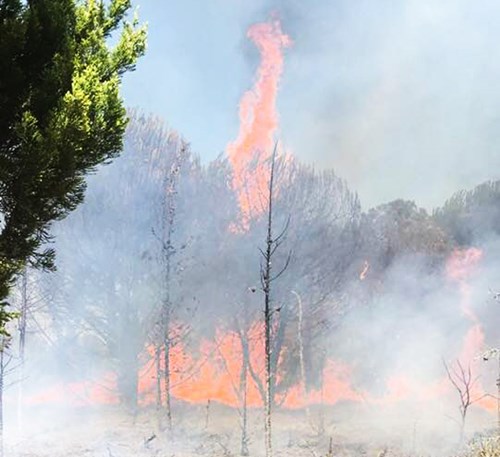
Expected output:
(460, 268)
(364, 271)
(214, 374)
(258, 119)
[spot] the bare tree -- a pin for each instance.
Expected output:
(168, 250)
(323, 208)
(463, 381)
(267, 277)
(300, 339)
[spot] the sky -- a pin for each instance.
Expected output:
(400, 97)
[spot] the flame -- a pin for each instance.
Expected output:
(337, 387)
(82, 393)
(214, 372)
(213, 375)
(258, 119)
(460, 268)
(364, 271)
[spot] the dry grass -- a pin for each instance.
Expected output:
(348, 431)
(487, 447)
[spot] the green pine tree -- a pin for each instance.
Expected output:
(61, 115)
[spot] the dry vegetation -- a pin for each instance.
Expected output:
(349, 431)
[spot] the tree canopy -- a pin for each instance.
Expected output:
(61, 115)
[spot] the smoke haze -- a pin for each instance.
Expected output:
(400, 98)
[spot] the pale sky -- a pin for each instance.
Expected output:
(401, 98)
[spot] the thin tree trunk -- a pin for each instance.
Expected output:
(22, 345)
(244, 412)
(159, 402)
(168, 220)
(266, 279)
(268, 411)
(166, 329)
(167, 380)
(207, 413)
(498, 397)
(23, 315)
(301, 355)
(268, 317)
(277, 342)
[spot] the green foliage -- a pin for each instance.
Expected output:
(60, 116)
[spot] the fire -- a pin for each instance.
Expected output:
(217, 374)
(462, 263)
(364, 271)
(460, 268)
(79, 393)
(337, 387)
(258, 119)
(214, 373)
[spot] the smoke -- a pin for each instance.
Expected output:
(401, 100)
(374, 343)
(392, 98)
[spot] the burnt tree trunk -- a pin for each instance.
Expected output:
(168, 250)
(267, 277)
(266, 287)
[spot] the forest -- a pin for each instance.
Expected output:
(158, 302)
(156, 306)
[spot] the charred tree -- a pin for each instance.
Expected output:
(168, 250)
(267, 277)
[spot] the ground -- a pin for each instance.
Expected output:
(354, 429)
